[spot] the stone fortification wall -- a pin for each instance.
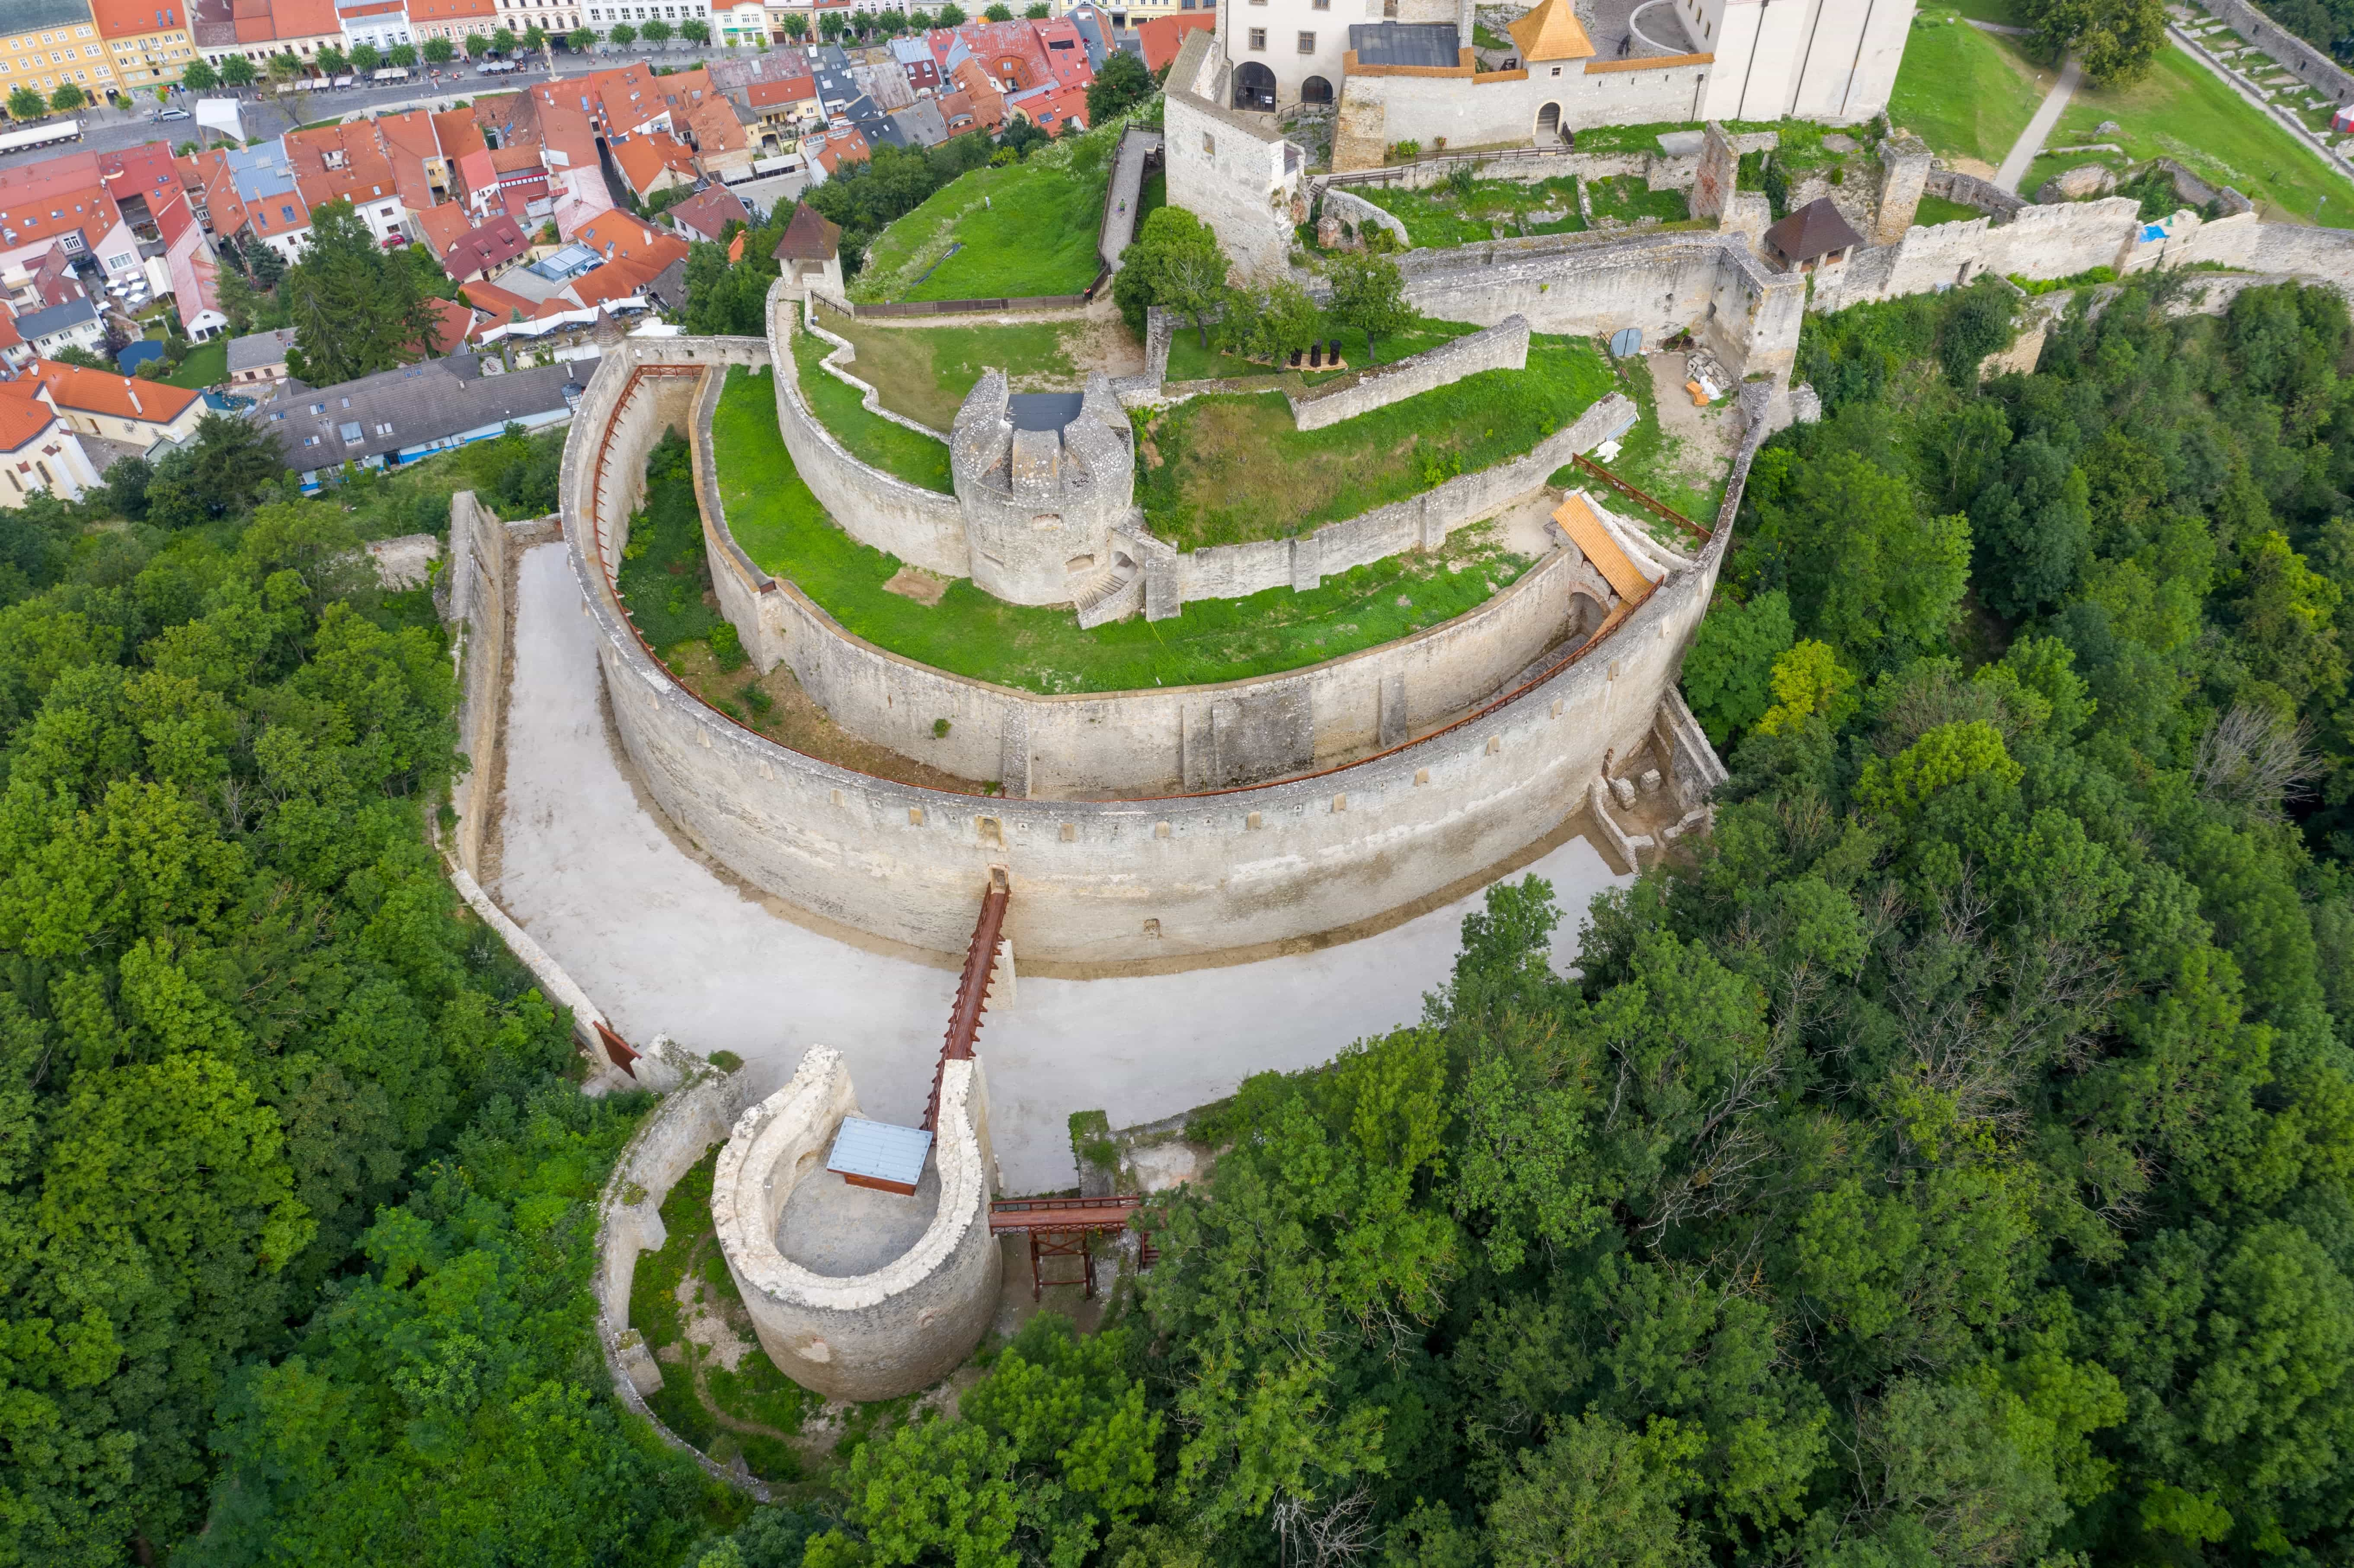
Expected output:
(1971, 191)
(1361, 214)
(1153, 881)
(865, 1336)
(2302, 61)
(1663, 283)
(478, 608)
(1504, 346)
(675, 1134)
(2064, 239)
(1418, 523)
(1167, 739)
(920, 526)
(1500, 108)
(1236, 176)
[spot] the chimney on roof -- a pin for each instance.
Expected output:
(136, 407)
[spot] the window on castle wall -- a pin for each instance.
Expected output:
(1307, 43)
(1258, 35)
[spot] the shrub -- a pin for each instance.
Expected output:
(727, 647)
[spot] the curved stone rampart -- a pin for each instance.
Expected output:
(1157, 740)
(673, 1138)
(867, 1336)
(1178, 879)
(920, 526)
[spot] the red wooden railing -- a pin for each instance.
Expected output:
(972, 990)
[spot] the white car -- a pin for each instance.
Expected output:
(169, 115)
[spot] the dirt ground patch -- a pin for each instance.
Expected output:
(791, 717)
(914, 582)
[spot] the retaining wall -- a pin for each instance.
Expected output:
(867, 1336)
(1504, 346)
(1972, 191)
(1132, 881)
(1360, 214)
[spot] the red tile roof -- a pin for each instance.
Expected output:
(1162, 36)
(103, 392)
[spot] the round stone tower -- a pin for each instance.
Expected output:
(1043, 478)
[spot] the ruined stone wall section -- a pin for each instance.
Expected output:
(920, 526)
(868, 1336)
(1971, 191)
(1504, 346)
(1361, 214)
(667, 1144)
(1418, 523)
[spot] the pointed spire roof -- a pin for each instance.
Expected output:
(1552, 32)
(809, 238)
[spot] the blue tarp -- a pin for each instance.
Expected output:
(2152, 231)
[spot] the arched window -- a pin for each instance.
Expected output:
(1253, 86)
(1315, 90)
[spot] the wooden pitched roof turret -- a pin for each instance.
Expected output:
(1815, 229)
(809, 238)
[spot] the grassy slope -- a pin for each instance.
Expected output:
(1233, 468)
(925, 372)
(2182, 112)
(1961, 90)
(1026, 228)
(207, 363)
(780, 526)
(893, 449)
(1437, 218)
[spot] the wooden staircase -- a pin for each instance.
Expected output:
(972, 990)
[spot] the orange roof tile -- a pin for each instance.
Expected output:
(136, 19)
(24, 418)
(103, 392)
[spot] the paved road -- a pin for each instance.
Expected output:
(664, 946)
(111, 130)
(2039, 130)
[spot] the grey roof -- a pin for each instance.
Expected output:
(1404, 43)
(1094, 32)
(418, 403)
(35, 325)
(912, 51)
(922, 123)
(24, 15)
(260, 350)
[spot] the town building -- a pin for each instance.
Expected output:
(137, 415)
(49, 44)
(257, 361)
(148, 42)
(37, 452)
(398, 416)
(74, 325)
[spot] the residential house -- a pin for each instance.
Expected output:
(74, 325)
(706, 214)
(1051, 108)
(38, 451)
(654, 161)
(194, 270)
(1162, 36)
(828, 152)
(452, 19)
(349, 162)
(716, 128)
(922, 124)
(486, 251)
(398, 416)
(137, 414)
(916, 60)
(258, 29)
(251, 191)
(149, 41)
(14, 351)
(46, 44)
(257, 361)
(382, 25)
(987, 104)
(561, 16)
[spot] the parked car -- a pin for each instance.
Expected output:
(169, 115)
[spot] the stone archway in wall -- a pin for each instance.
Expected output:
(1315, 90)
(1253, 86)
(1549, 125)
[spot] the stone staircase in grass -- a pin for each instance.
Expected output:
(1108, 593)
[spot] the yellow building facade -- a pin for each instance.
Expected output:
(49, 43)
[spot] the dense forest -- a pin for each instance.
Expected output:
(1946, 1162)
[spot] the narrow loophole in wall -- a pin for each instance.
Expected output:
(915, 816)
(1422, 775)
(1159, 829)
(1340, 803)
(1495, 743)
(992, 832)
(1152, 927)
(1070, 833)
(1253, 821)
